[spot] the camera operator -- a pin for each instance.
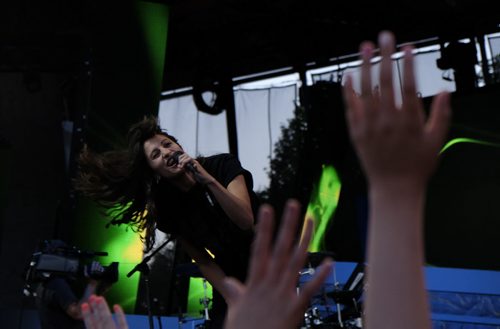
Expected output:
(59, 295)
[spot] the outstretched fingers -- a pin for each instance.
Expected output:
(439, 119)
(299, 257)
(286, 234)
(312, 287)
(386, 42)
(102, 313)
(88, 319)
(261, 246)
(353, 103)
(409, 87)
(366, 50)
(235, 289)
(411, 102)
(120, 317)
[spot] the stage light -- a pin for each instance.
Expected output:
(322, 205)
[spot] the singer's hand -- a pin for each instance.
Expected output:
(194, 167)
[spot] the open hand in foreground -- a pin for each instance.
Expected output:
(96, 315)
(269, 299)
(393, 142)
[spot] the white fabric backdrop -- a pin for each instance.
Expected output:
(260, 114)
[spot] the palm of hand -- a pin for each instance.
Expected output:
(395, 144)
(269, 299)
(392, 142)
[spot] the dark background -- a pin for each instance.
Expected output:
(85, 61)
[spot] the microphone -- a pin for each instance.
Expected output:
(189, 166)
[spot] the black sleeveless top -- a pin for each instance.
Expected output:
(197, 217)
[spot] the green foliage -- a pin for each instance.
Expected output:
(284, 172)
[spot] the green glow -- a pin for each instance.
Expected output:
(154, 23)
(322, 206)
(466, 140)
(196, 293)
(122, 245)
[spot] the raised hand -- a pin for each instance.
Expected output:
(394, 143)
(398, 148)
(96, 315)
(269, 299)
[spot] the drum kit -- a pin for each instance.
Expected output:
(336, 305)
(192, 270)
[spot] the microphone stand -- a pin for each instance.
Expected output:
(143, 267)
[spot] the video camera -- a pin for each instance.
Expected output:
(55, 257)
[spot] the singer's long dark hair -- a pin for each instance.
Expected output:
(122, 180)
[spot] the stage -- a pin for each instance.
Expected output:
(459, 298)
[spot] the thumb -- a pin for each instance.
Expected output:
(233, 289)
(439, 118)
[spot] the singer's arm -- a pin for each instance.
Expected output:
(235, 201)
(210, 270)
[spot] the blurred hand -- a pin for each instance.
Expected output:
(269, 299)
(394, 143)
(96, 315)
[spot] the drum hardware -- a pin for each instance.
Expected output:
(309, 271)
(345, 297)
(312, 318)
(355, 323)
(337, 301)
(192, 270)
(145, 270)
(205, 300)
